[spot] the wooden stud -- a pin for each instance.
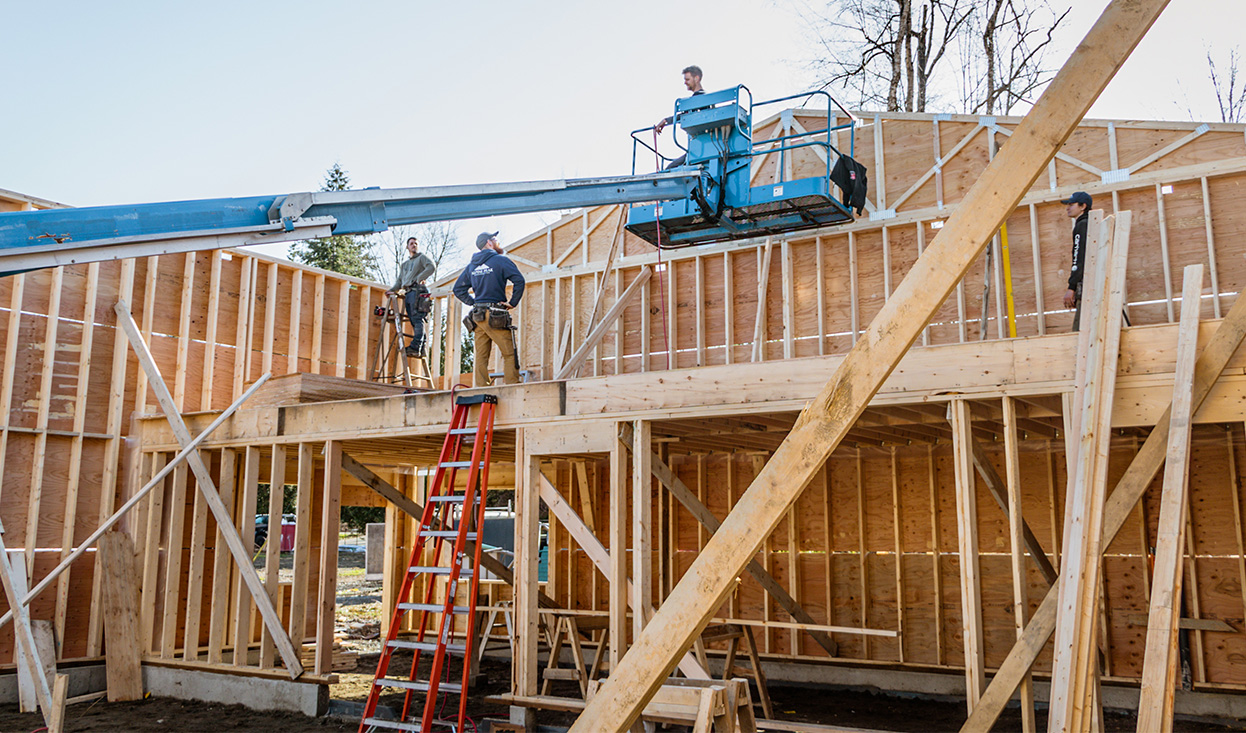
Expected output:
(921, 247)
(155, 515)
(363, 340)
(1039, 306)
(853, 292)
(194, 583)
(1211, 249)
(34, 501)
(331, 501)
(1163, 250)
(899, 554)
(1159, 672)
(343, 323)
(209, 341)
(247, 299)
(270, 318)
(295, 324)
(728, 308)
(820, 274)
(222, 588)
(149, 314)
(175, 543)
(763, 280)
(967, 536)
(527, 517)
(10, 360)
(936, 554)
(245, 519)
(789, 299)
(642, 522)
(317, 324)
(302, 544)
(272, 553)
(702, 306)
(189, 267)
(1020, 597)
(863, 574)
(618, 554)
(123, 666)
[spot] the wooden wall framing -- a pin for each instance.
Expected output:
(215, 321)
(1180, 179)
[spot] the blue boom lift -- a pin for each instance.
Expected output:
(706, 199)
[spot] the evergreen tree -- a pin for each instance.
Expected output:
(347, 254)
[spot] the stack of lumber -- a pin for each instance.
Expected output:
(292, 389)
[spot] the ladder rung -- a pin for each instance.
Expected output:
(457, 498)
(417, 686)
(433, 607)
(438, 570)
(426, 646)
(459, 464)
(392, 724)
(463, 431)
(446, 533)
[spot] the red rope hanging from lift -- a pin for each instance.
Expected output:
(657, 221)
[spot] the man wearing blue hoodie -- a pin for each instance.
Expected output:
(483, 286)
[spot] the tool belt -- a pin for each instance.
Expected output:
(498, 318)
(421, 301)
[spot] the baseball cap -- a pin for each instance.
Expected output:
(1078, 197)
(483, 238)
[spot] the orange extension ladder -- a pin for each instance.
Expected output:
(450, 519)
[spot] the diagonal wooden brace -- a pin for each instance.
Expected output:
(25, 638)
(207, 487)
(707, 519)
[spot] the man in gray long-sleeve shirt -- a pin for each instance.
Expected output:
(411, 277)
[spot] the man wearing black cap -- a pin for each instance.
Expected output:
(1077, 207)
(485, 277)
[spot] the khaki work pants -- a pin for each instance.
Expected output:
(505, 339)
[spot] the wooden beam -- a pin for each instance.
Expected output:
(828, 418)
(1075, 664)
(272, 553)
(607, 321)
(967, 535)
(330, 518)
(710, 522)
(642, 524)
(123, 665)
(763, 282)
(241, 555)
(1016, 538)
(1159, 669)
(999, 490)
(527, 520)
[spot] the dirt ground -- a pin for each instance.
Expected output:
(358, 628)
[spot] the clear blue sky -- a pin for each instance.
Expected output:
(155, 101)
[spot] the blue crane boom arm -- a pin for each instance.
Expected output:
(52, 237)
